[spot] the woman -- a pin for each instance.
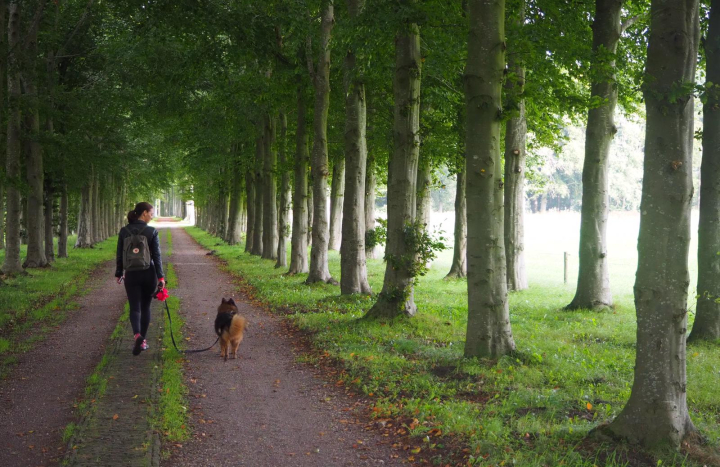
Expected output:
(141, 279)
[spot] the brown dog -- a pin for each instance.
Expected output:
(229, 326)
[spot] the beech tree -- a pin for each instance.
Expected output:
(707, 314)
(657, 412)
(396, 297)
(320, 74)
(353, 271)
(488, 330)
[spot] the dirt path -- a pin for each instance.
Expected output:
(262, 409)
(36, 400)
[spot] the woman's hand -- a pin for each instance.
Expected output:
(120, 279)
(161, 283)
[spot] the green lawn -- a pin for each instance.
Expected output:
(572, 371)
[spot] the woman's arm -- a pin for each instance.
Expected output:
(119, 256)
(156, 256)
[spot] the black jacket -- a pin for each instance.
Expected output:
(153, 244)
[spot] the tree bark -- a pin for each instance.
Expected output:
(95, 209)
(337, 193)
(424, 181)
(396, 297)
(310, 208)
(35, 257)
(3, 109)
(370, 186)
(250, 196)
(234, 229)
(319, 271)
(298, 242)
(270, 213)
(458, 269)
(49, 199)
(63, 238)
(489, 334)
(515, 145)
(257, 243)
(353, 271)
(707, 316)
(12, 264)
(656, 413)
(284, 202)
(593, 287)
(84, 237)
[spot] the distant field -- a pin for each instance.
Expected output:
(548, 235)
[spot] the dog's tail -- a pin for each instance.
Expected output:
(238, 324)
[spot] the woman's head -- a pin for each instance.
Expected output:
(143, 211)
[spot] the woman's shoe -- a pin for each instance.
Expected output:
(137, 348)
(144, 345)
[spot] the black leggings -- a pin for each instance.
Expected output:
(140, 287)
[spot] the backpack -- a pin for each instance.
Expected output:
(136, 254)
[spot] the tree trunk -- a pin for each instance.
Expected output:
(49, 198)
(250, 196)
(707, 316)
(458, 269)
(515, 144)
(396, 297)
(488, 330)
(84, 237)
(257, 243)
(370, 186)
(234, 229)
(284, 202)
(337, 192)
(95, 209)
(353, 271)
(35, 257)
(298, 242)
(12, 264)
(270, 213)
(63, 238)
(319, 271)
(424, 181)
(2, 205)
(3, 108)
(656, 413)
(593, 287)
(310, 208)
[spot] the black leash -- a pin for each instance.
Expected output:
(173, 337)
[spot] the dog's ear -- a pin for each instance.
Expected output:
(232, 301)
(223, 300)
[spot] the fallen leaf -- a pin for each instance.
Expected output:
(116, 416)
(589, 406)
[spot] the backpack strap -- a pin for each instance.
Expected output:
(136, 231)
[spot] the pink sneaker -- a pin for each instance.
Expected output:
(137, 347)
(144, 345)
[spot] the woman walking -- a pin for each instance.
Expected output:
(139, 265)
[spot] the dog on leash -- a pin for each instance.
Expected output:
(229, 326)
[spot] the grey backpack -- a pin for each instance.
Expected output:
(136, 254)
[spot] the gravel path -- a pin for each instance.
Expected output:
(262, 409)
(36, 399)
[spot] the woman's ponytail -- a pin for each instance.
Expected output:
(140, 208)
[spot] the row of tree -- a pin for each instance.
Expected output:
(116, 99)
(72, 155)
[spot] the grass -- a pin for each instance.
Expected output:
(38, 301)
(572, 371)
(172, 419)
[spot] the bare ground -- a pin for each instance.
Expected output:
(36, 399)
(263, 409)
